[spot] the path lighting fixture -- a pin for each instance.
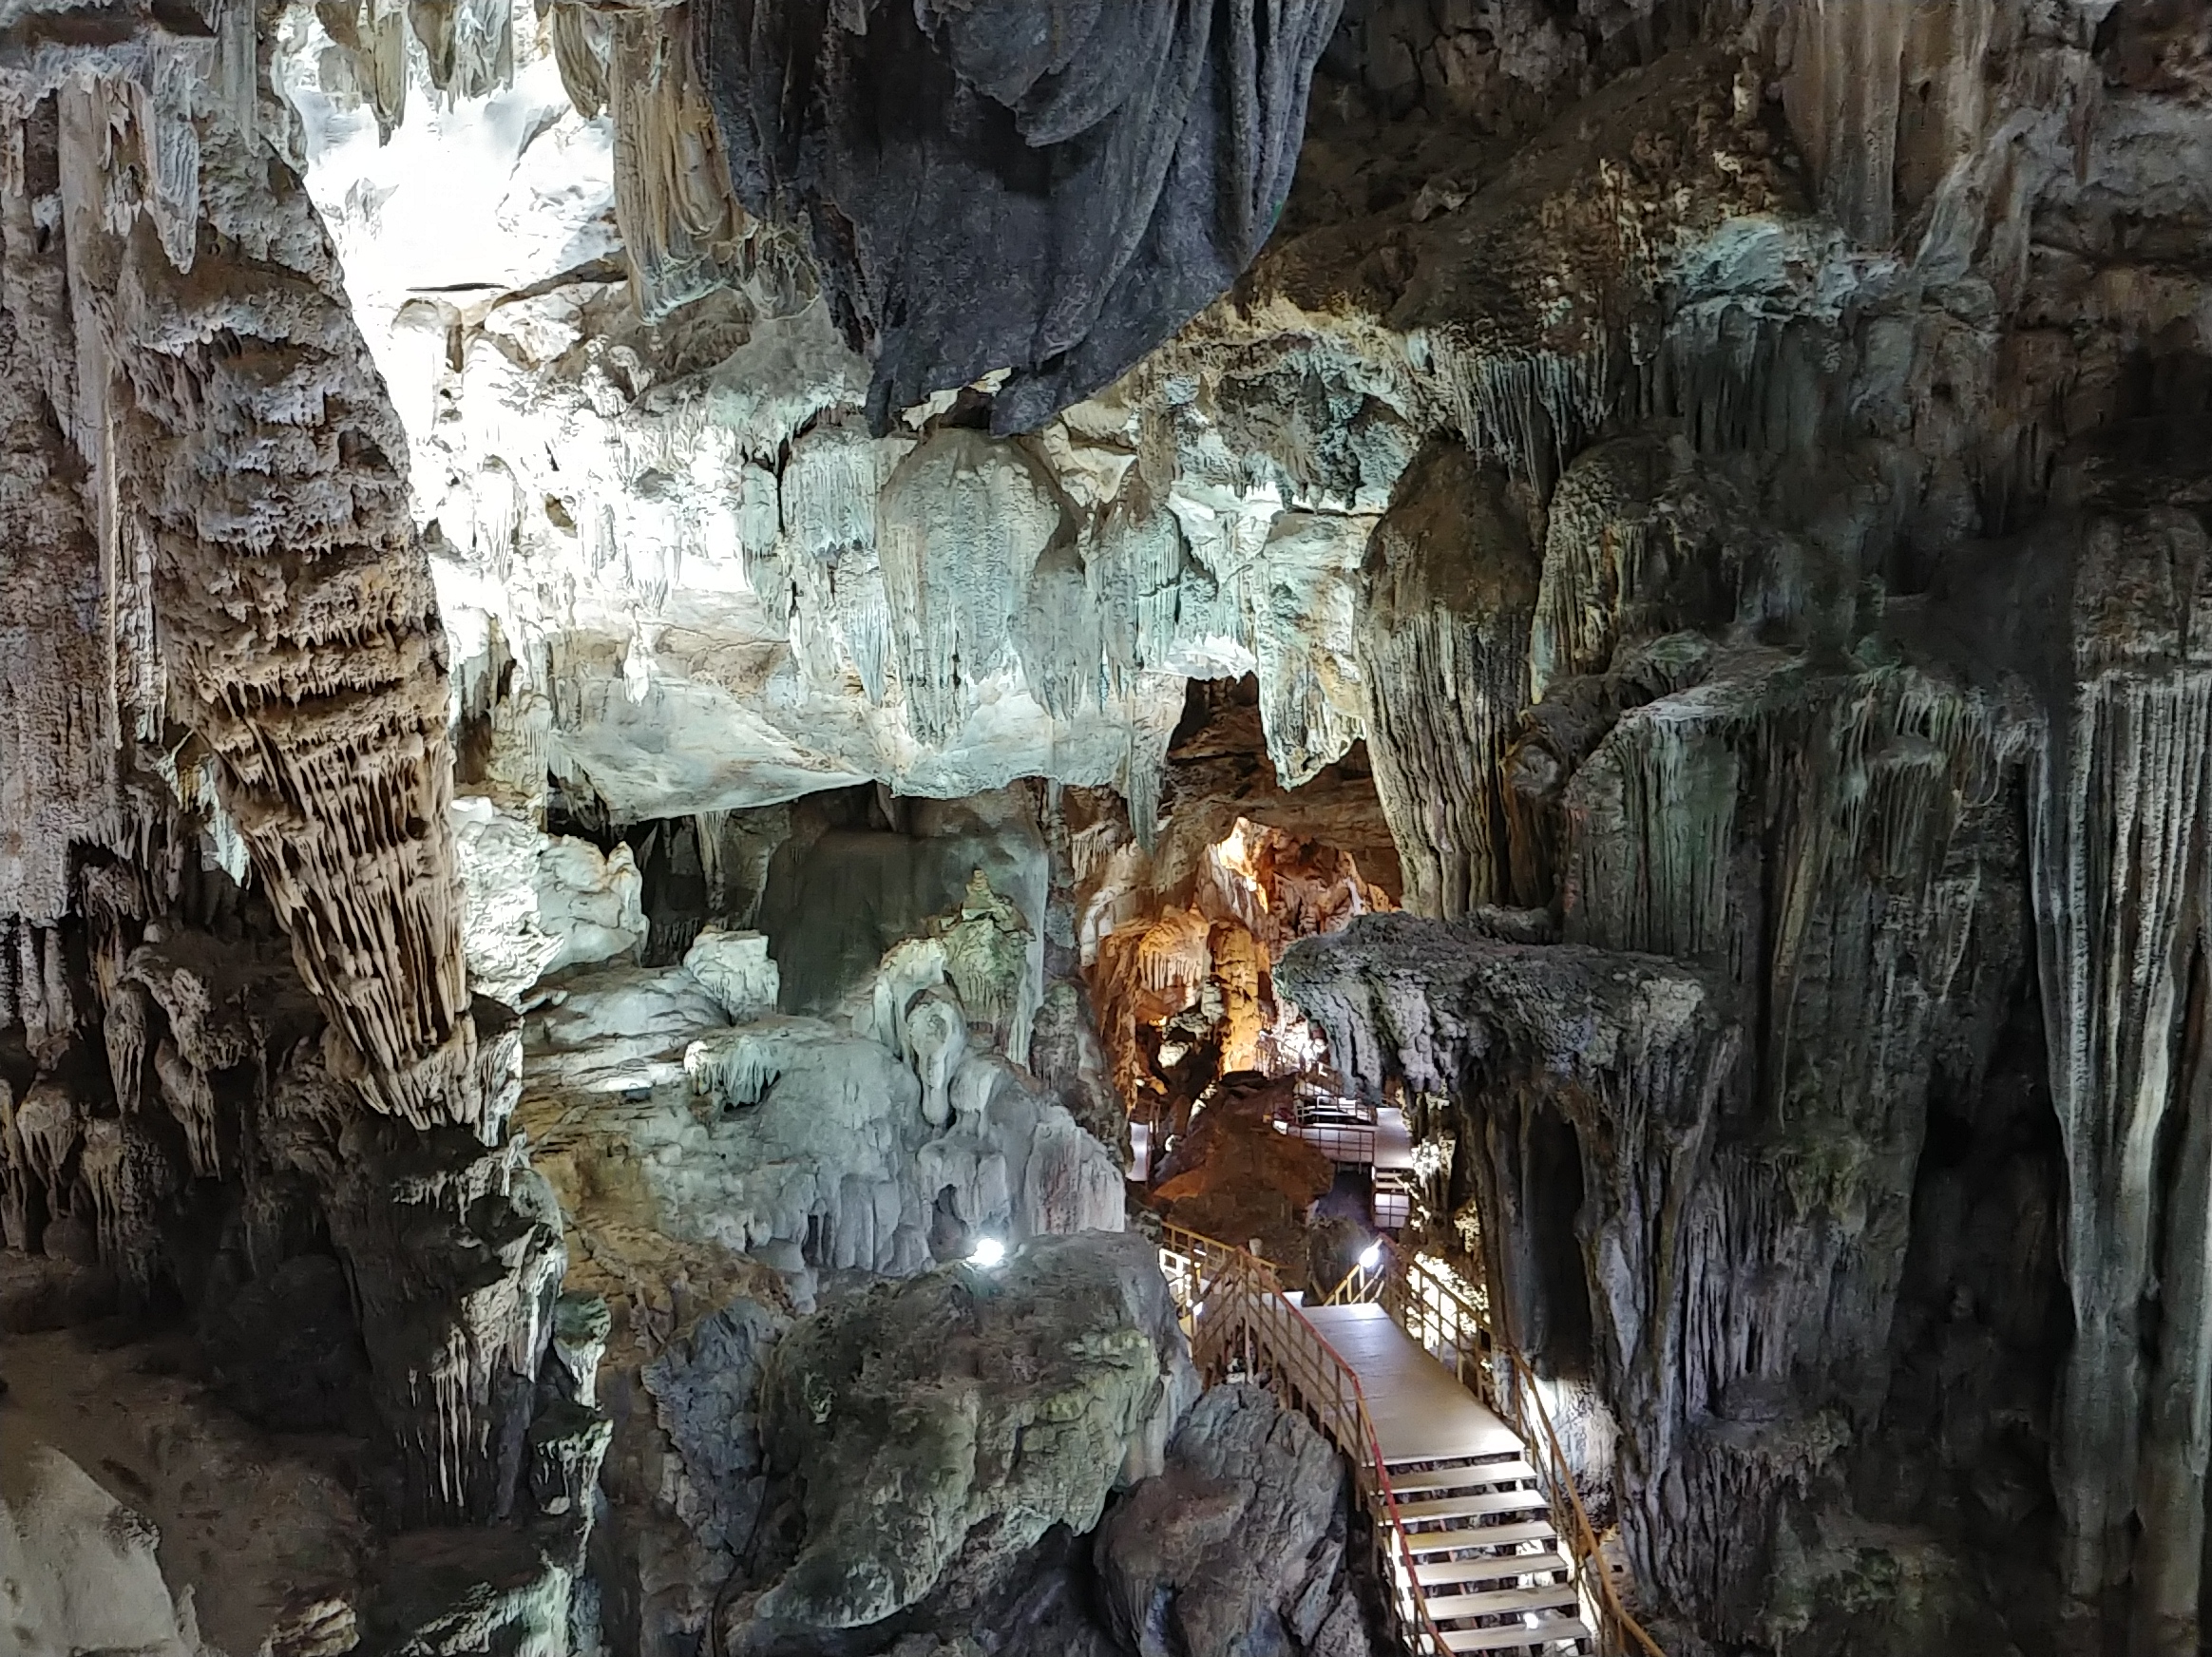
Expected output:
(989, 1252)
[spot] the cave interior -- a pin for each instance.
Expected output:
(743, 741)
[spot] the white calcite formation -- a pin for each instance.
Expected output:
(679, 574)
(78, 1571)
(734, 968)
(800, 1142)
(539, 903)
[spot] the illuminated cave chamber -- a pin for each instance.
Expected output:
(1239, 1127)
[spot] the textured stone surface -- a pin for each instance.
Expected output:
(1068, 183)
(792, 1138)
(1239, 1544)
(172, 1503)
(79, 1569)
(539, 904)
(936, 1429)
(1736, 463)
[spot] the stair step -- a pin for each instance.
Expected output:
(1476, 1507)
(1419, 1542)
(1506, 1602)
(1516, 1637)
(1498, 1568)
(1461, 1475)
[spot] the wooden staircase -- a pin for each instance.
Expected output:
(1489, 1568)
(1484, 1544)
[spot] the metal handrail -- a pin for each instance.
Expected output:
(1351, 1143)
(1416, 1296)
(1254, 1308)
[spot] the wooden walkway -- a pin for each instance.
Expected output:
(1419, 1412)
(1466, 1530)
(1479, 1552)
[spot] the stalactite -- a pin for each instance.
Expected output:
(1168, 137)
(582, 47)
(131, 1178)
(1137, 565)
(456, 1256)
(841, 614)
(169, 145)
(1444, 647)
(332, 730)
(1606, 573)
(1310, 695)
(372, 35)
(679, 221)
(191, 1099)
(736, 1068)
(962, 523)
(1062, 636)
(51, 1128)
(1524, 410)
(2122, 864)
(1843, 93)
(468, 45)
(60, 783)
(1175, 953)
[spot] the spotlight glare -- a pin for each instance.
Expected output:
(989, 1252)
(1371, 1257)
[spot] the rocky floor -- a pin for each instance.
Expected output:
(257, 1530)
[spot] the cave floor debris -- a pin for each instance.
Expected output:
(249, 1523)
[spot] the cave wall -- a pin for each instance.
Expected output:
(224, 1089)
(1860, 693)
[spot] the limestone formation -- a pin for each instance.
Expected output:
(1238, 1543)
(1167, 135)
(667, 671)
(80, 1569)
(935, 1430)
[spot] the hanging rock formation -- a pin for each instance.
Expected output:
(1444, 642)
(1043, 191)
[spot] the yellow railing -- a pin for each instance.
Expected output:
(1241, 1321)
(1446, 1316)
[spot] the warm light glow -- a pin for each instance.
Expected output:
(1465, 1288)
(1234, 855)
(989, 1252)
